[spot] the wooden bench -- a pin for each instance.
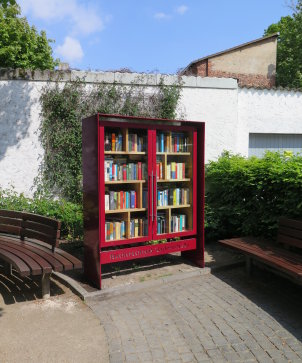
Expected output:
(283, 257)
(28, 244)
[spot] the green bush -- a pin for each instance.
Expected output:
(247, 196)
(70, 214)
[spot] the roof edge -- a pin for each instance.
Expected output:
(274, 35)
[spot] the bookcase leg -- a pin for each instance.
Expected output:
(195, 257)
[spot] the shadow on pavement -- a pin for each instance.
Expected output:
(277, 296)
(19, 289)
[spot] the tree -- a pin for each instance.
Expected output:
(21, 46)
(289, 50)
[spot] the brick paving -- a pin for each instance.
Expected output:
(212, 318)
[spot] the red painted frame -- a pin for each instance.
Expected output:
(97, 250)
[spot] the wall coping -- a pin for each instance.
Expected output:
(143, 79)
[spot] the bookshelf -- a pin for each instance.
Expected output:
(143, 180)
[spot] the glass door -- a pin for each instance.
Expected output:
(127, 164)
(175, 184)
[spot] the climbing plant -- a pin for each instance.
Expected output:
(63, 108)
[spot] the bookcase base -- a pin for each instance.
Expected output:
(132, 253)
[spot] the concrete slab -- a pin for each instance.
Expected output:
(59, 329)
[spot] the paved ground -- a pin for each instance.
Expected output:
(211, 318)
(61, 329)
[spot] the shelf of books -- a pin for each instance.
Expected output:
(143, 187)
(126, 184)
(174, 175)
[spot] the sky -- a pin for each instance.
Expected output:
(148, 35)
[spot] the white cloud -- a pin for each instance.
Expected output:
(84, 18)
(161, 16)
(182, 9)
(70, 50)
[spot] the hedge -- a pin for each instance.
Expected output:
(246, 196)
(70, 214)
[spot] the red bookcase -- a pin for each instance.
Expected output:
(143, 184)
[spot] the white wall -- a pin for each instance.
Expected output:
(20, 149)
(267, 111)
(230, 115)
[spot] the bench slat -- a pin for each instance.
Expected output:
(45, 265)
(289, 241)
(41, 219)
(266, 256)
(291, 232)
(40, 236)
(268, 247)
(18, 264)
(67, 256)
(10, 221)
(46, 254)
(35, 268)
(10, 213)
(288, 222)
(67, 265)
(42, 228)
(5, 228)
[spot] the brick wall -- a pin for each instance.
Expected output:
(204, 69)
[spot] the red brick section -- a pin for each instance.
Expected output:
(204, 69)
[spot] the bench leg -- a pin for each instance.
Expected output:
(249, 266)
(8, 268)
(46, 286)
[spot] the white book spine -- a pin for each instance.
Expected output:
(106, 201)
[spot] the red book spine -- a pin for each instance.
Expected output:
(122, 200)
(183, 170)
(124, 172)
(134, 199)
(176, 167)
(113, 172)
(175, 144)
(139, 170)
(157, 171)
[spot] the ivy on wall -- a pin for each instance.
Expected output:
(63, 108)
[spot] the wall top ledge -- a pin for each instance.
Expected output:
(143, 79)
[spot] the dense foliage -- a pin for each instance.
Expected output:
(247, 196)
(289, 51)
(21, 46)
(68, 213)
(61, 131)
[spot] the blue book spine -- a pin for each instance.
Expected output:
(120, 142)
(132, 194)
(127, 200)
(162, 143)
(110, 170)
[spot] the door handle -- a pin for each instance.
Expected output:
(155, 181)
(152, 202)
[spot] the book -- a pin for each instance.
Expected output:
(107, 201)
(132, 199)
(107, 142)
(113, 141)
